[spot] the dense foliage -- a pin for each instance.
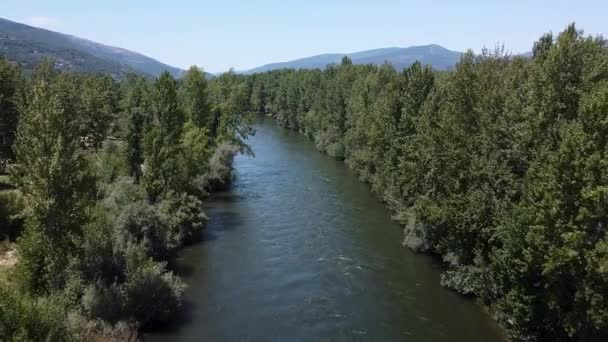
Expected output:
(108, 180)
(497, 166)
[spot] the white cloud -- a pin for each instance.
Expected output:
(42, 22)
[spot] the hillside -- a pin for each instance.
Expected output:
(436, 56)
(27, 45)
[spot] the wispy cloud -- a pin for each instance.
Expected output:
(43, 22)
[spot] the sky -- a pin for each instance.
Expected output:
(218, 35)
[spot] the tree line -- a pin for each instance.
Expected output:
(107, 182)
(498, 166)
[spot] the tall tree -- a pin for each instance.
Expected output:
(230, 121)
(10, 80)
(50, 174)
(98, 100)
(162, 150)
(194, 97)
(136, 107)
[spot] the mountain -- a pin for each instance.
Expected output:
(436, 56)
(28, 45)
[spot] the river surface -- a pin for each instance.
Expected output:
(298, 249)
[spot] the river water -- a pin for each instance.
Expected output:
(300, 250)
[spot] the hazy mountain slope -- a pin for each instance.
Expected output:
(27, 45)
(134, 60)
(437, 56)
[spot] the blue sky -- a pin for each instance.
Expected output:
(242, 34)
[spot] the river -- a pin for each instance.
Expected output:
(298, 249)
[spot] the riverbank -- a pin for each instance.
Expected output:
(279, 261)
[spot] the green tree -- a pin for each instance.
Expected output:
(136, 106)
(99, 103)
(10, 80)
(50, 174)
(194, 97)
(231, 123)
(163, 152)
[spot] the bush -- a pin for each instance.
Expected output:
(103, 251)
(98, 330)
(141, 222)
(109, 163)
(183, 216)
(30, 270)
(121, 192)
(148, 294)
(26, 319)
(103, 302)
(151, 294)
(220, 168)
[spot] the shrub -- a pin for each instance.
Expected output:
(151, 294)
(148, 294)
(109, 163)
(141, 222)
(183, 216)
(220, 167)
(103, 302)
(83, 329)
(102, 256)
(30, 268)
(26, 319)
(121, 192)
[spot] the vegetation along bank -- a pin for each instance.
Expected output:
(497, 166)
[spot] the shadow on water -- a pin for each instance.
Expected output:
(224, 220)
(183, 318)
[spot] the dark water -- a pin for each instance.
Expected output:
(300, 250)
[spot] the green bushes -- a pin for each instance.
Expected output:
(183, 216)
(151, 294)
(496, 166)
(220, 168)
(92, 256)
(142, 223)
(145, 292)
(26, 319)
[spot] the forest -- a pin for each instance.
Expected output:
(106, 182)
(498, 167)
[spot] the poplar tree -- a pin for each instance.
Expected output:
(10, 81)
(136, 108)
(194, 97)
(164, 169)
(98, 105)
(50, 174)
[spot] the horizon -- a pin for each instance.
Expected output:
(249, 41)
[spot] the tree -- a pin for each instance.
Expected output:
(194, 97)
(10, 80)
(98, 101)
(163, 153)
(230, 123)
(136, 107)
(50, 174)
(498, 166)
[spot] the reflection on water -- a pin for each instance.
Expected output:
(299, 250)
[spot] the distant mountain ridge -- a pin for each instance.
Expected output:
(28, 45)
(434, 55)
